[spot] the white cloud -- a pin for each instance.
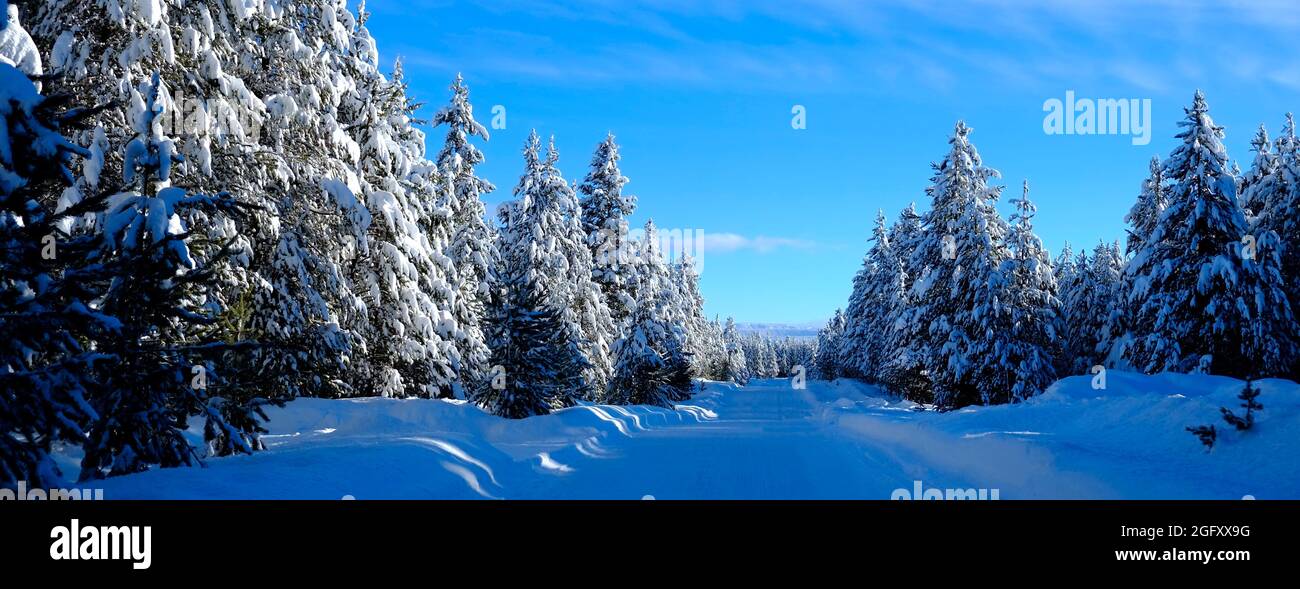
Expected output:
(730, 242)
(824, 45)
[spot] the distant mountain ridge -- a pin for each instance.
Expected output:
(808, 329)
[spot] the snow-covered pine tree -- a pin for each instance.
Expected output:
(581, 298)
(165, 350)
(651, 367)
(1077, 293)
(1202, 297)
(537, 360)
(266, 95)
(662, 318)
(701, 340)
(213, 58)
(1145, 214)
(647, 276)
(799, 356)
(959, 261)
(875, 305)
(753, 359)
(536, 368)
(900, 367)
(1028, 310)
(1258, 185)
(1110, 265)
(1066, 273)
(1142, 219)
(47, 316)
(767, 353)
(1277, 227)
(906, 234)
(605, 210)
(1093, 301)
(890, 348)
(858, 325)
(828, 363)
(715, 365)
(1064, 268)
(400, 273)
(736, 368)
(473, 247)
(640, 373)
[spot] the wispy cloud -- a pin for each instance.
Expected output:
(730, 242)
(831, 45)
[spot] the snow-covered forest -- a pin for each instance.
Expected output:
(211, 208)
(958, 306)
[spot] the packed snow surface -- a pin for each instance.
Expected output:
(768, 440)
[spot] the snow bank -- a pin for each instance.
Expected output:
(377, 448)
(768, 440)
(1128, 439)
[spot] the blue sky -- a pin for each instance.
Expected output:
(700, 95)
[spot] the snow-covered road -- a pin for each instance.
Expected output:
(768, 440)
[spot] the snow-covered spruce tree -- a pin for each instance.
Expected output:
(473, 247)
(647, 276)
(650, 368)
(400, 272)
(715, 363)
(581, 298)
(702, 341)
(1090, 297)
(1109, 267)
(874, 307)
(767, 356)
(605, 210)
(959, 261)
(800, 353)
(1277, 227)
(736, 368)
(906, 233)
(1065, 272)
(758, 358)
(1064, 268)
(1076, 292)
(640, 373)
(1202, 298)
(659, 323)
(47, 287)
(828, 363)
(1029, 312)
(166, 349)
(1142, 219)
(537, 362)
(1145, 214)
(1259, 184)
(536, 366)
(857, 327)
(900, 367)
(268, 93)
